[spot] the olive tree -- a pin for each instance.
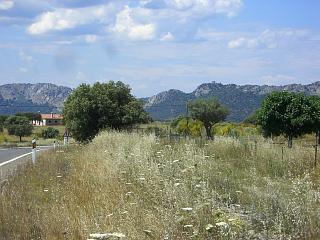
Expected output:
(19, 126)
(209, 111)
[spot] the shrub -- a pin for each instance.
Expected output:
(50, 132)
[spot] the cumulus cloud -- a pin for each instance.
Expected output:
(62, 19)
(6, 5)
(205, 7)
(136, 20)
(126, 26)
(267, 39)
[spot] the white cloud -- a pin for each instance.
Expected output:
(62, 19)
(278, 79)
(167, 37)
(141, 22)
(205, 7)
(25, 57)
(6, 4)
(126, 26)
(90, 38)
(267, 39)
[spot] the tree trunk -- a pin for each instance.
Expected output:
(290, 141)
(20, 138)
(209, 133)
(318, 137)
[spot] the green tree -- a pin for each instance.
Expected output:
(251, 119)
(30, 115)
(315, 116)
(175, 121)
(285, 113)
(50, 132)
(209, 111)
(19, 126)
(104, 105)
(3, 119)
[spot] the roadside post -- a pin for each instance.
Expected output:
(65, 138)
(34, 151)
(54, 145)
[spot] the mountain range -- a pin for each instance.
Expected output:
(27, 97)
(242, 100)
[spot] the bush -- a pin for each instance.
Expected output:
(50, 132)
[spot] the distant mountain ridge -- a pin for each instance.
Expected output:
(242, 100)
(27, 97)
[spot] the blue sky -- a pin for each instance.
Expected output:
(156, 45)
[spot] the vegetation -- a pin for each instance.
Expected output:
(286, 113)
(315, 111)
(209, 111)
(30, 115)
(50, 132)
(19, 126)
(147, 188)
(90, 109)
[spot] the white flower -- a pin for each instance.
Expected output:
(221, 224)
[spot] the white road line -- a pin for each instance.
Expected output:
(16, 158)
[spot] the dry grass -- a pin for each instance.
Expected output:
(147, 188)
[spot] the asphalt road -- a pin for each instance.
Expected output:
(10, 153)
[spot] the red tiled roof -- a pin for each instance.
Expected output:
(51, 116)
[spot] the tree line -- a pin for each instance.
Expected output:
(111, 105)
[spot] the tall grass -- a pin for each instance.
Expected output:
(148, 188)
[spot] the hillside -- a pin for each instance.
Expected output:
(26, 97)
(241, 100)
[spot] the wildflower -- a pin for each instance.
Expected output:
(188, 226)
(221, 224)
(209, 227)
(187, 209)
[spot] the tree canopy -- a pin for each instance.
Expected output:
(19, 126)
(104, 105)
(286, 113)
(209, 111)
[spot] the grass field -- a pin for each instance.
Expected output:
(10, 140)
(146, 188)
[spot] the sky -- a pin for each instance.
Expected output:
(157, 45)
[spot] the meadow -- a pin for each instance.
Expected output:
(7, 140)
(146, 187)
